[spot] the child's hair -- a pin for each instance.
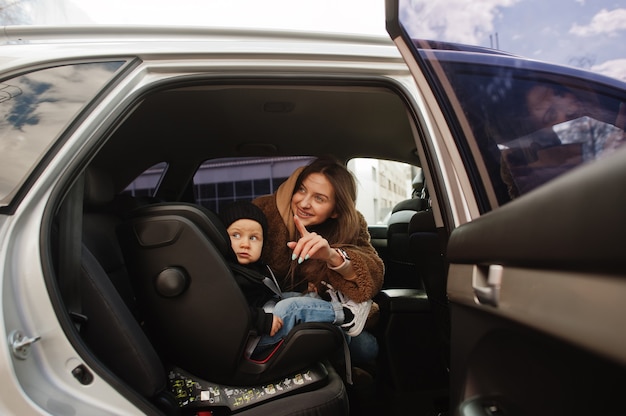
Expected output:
(243, 210)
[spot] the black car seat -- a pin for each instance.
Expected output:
(193, 308)
(115, 336)
(401, 270)
(427, 248)
(102, 213)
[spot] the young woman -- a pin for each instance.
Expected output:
(317, 237)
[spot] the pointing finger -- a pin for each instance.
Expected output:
(301, 228)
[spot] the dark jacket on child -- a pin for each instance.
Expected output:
(250, 280)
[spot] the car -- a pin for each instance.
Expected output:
(504, 277)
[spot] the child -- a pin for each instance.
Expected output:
(275, 314)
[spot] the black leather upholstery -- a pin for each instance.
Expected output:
(205, 325)
(111, 329)
(113, 333)
(426, 249)
(101, 216)
(418, 200)
(401, 269)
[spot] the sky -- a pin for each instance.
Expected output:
(589, 34)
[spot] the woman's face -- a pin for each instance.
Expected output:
(314, 201)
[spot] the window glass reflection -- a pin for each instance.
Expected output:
(531, 127)
(35, 108)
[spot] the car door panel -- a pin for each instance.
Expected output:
(575, 222)
(535, 280)
(510, 369)
(547, 344)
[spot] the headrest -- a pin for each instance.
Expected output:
(203, 218)
(418, 181)
(99, 189)
(413, 204)
(401, 217)
(422, 221)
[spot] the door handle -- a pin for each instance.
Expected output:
(486, 284)
(487, 406)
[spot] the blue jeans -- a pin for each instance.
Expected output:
(297, 308)
(363, 348)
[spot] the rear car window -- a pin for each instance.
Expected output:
(146, 184)
(220, 182)
(35, 108)
(381, 184)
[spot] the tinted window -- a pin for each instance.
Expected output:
(517, 122)
(221, 181)
(381, 184)
(148, 182)
(531, 126)
(35, 108)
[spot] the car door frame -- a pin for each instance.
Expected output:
(537, 281)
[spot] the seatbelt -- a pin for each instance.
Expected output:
(273, 283)
(257, 277)
(70, 246)
(347, 360)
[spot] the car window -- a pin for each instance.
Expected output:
(146, 184)
(219, 182)
(531, 126)
(381, 184)
(517, 123)
(35, 108)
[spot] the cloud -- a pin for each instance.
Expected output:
(605, 22)
(452, 20)
(615, 68)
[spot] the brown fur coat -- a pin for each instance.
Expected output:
(366, 263)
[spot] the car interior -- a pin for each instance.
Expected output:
(148, 314)
(156, 311)
(155, 288)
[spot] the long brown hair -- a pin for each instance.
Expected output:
(343, 229)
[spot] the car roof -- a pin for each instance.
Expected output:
(298, 93)
(47, 42)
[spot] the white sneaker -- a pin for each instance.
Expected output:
(359, 310)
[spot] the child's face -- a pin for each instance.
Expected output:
(246, 239)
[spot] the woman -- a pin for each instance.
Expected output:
(316, 236)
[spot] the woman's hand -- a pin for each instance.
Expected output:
(312, 246)
(277, 323)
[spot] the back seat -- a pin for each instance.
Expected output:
(113, 332)
(102, 213)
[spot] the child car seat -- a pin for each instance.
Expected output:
(118, 341)
(193, 308)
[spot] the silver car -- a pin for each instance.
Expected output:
(504, 272)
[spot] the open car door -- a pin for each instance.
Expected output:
(533, 208)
